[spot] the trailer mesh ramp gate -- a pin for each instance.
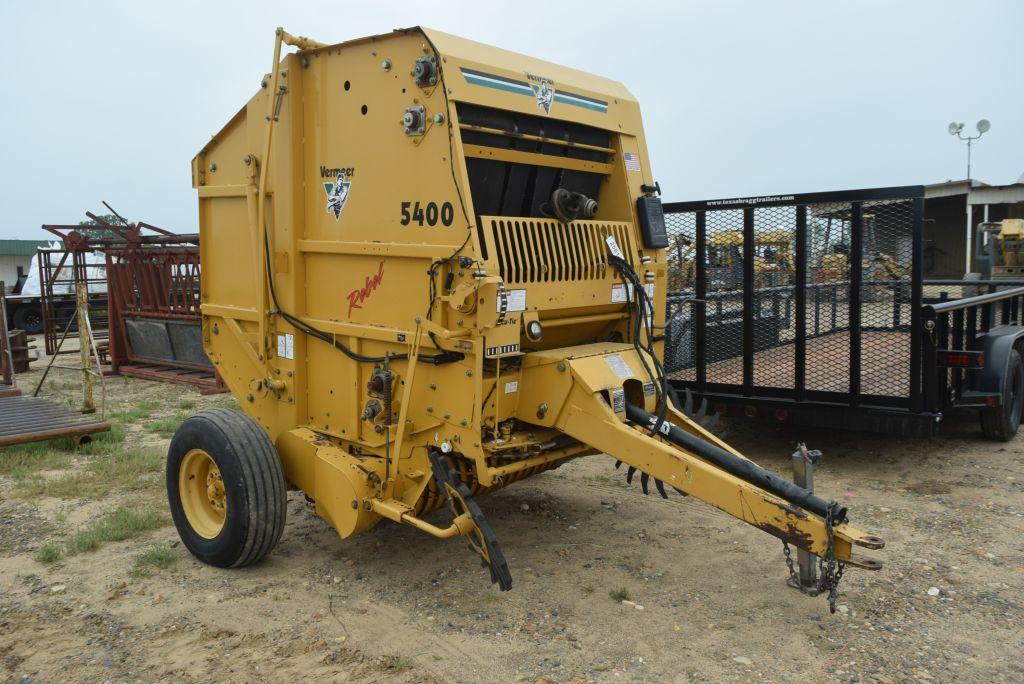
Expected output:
(32, 419)
(809, 300)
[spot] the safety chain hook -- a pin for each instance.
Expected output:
(830, 571)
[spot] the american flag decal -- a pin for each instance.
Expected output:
(632, 162)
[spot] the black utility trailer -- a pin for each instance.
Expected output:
(853, 337)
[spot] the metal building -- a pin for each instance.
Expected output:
(952, 213)
(15, 258)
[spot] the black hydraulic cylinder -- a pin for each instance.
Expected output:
(738, 467)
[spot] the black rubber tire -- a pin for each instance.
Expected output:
(29, 319)
(1001, 424)
(254, 486)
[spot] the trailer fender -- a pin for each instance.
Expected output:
(997, 344)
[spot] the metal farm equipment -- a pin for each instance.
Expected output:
(149, 281)
(432, 268)
(155, 321)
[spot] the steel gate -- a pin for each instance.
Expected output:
(800, 298)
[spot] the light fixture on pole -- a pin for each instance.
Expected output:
(957, 130)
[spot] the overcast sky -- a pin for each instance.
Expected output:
(111, 100)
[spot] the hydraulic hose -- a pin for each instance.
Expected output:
(739, 467)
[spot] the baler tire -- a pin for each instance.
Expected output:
(1001, 423)
(253, 487)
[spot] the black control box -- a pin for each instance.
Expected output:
(652, 222)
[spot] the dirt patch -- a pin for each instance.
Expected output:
(929, 488)
(394, 604)
(21, 527)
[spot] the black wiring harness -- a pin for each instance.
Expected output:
(304, 327)
(432, 271)
(643, 334)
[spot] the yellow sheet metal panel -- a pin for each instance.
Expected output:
(368, 306)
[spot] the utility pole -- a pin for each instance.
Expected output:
(956, 129)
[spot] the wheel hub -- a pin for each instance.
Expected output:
(203, 498)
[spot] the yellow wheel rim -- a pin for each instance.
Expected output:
(201, 490)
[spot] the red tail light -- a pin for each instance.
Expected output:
(956, 358)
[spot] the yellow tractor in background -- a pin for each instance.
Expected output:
(432, 268)
(1001, 246)
(773, 258)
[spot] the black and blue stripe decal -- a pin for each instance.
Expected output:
(512, 85)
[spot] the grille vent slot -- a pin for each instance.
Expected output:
(548, 251)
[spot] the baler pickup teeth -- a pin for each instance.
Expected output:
(686, 407)
(643, 481)
(644, 478)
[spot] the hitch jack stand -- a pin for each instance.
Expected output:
(806, 580)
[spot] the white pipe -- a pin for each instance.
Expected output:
(970, 238)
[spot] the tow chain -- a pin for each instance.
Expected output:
(830, 571)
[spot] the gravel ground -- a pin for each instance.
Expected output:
(708, 592)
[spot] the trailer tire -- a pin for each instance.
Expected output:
(226, 488)
(1001, 423)
(29, 319)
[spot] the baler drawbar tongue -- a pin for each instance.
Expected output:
(604, 411)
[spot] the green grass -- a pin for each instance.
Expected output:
(134, 413)
(123, 523)
(56, 454)
(588, 588)
(621, 594)
(105, 442)
(159, 558)
(187, 404)
(48, 553)
(225, 401)
(398, 663)
(118, 525)
(122, 470)
(166, 427)
(19, 462)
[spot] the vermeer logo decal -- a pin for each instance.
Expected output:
(337, 194)
(540, 88)
(543, 90)
(359, 295)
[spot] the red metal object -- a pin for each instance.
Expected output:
(152, 279)
(20, 418)
(156, 283)
(7, 388)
